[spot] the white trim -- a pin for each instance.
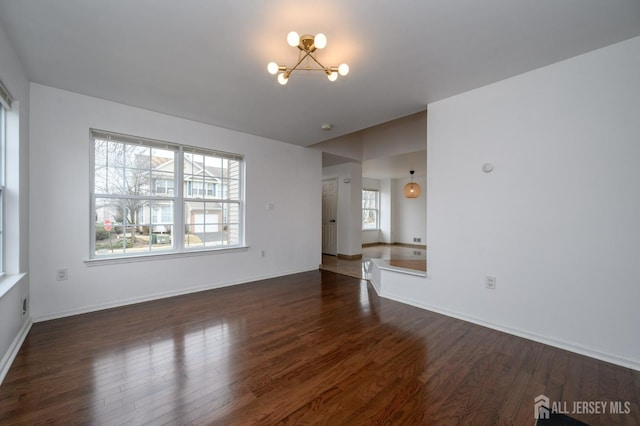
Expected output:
(571, 347)
(164, 295)
(9, 281)
(384, 266)
(110, 260)
(11, 354)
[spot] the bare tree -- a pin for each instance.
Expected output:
(123, 169)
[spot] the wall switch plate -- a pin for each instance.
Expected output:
(490, 282)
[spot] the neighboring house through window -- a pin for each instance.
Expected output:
(163, 186)
(370, 209)
(151, 196)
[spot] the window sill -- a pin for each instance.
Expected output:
(370, 229)
(7, 282)
(160, 256)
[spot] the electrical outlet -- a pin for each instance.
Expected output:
(490, 282)
(62, 274)
(25, 306)
(417, 239)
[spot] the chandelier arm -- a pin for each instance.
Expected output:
(293, 68)
(325, 69)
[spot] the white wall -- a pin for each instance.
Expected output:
(347, 146)
(409, 214)
(286, 175)
(385, 211)
(349, 220)
(402, 136)
(15, 285)
(558, 220)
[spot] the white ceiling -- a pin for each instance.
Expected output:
(206, 60)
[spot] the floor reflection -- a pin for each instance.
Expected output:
(397, 256)
(139, 379)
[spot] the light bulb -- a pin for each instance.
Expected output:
(282, 79)
(333, 76)
(320, 41)
(293, 39)
(272, 67)
(343, 69)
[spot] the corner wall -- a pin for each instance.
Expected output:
(557, 221)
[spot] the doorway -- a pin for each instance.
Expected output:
(329, 215)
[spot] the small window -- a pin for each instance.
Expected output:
(370, 209)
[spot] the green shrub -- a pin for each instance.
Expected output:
(101, 233)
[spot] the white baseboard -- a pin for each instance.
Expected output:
(164, 295)
(571, 347)
(11, 354)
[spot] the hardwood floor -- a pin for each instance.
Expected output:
(310, 348)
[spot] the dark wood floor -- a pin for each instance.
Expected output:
(308, 348)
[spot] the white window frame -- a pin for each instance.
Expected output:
(5, 105)
(376, 209)
(3, 133)
(178, 197)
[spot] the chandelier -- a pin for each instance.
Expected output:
(307, 46)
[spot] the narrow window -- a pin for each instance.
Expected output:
(370, 209)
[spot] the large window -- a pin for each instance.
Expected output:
(150, 197)
(370, 209)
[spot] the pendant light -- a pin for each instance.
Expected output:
(412, 189)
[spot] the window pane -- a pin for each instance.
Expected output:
(232, 235)
(369, 209)
(203, 176)
(231, 224)
(369, 219)
(137, 182)
(203, 224)
(110, 226)
(128, 226)
(162, 172)
(213, 166)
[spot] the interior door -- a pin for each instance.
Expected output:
(329, 215)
